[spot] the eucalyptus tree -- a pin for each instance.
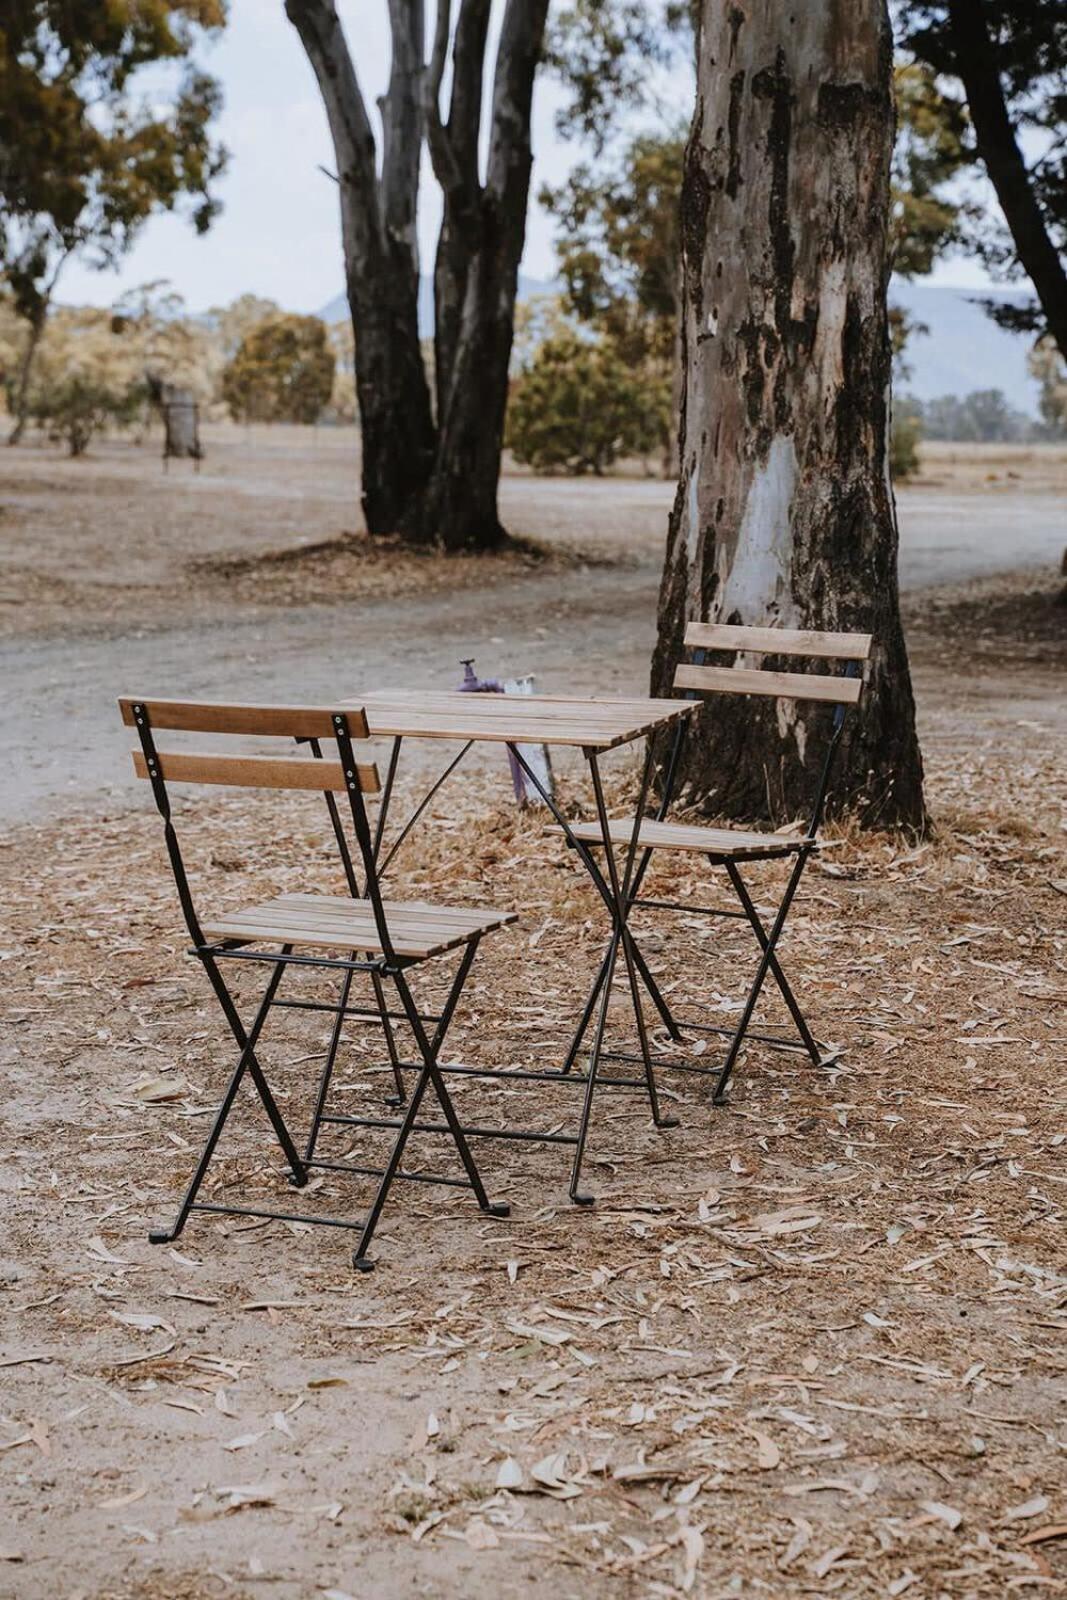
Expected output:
(784, 511)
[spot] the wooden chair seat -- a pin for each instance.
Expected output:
(418, 930)
(720, 842)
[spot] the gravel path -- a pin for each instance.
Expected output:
(61, 743)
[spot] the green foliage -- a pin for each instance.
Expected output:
(580, 407)
(82, 163)
(620, 247)
(904, 437)
(1049, 368)
(930, 150)
(606, 52)
(283, 371)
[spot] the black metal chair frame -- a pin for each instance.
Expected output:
(612, 885)
(388, 966)
(767, 939)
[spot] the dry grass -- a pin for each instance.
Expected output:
(809, 1343)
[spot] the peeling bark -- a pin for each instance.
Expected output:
(784, 511)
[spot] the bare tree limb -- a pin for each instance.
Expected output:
(445, 165)
(975, 54)
(510, 158)
(402, 122)
(321, 34)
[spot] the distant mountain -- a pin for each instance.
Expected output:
(528, 287)
(962, 350)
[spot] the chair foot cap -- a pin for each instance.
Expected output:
(669, 1122)
(297, 1180)
(361, 1264)
(500, 1209)
(160, 1236)
(584, 1199)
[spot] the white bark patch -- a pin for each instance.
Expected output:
(828, 355)
(790, 720)
(757, 586)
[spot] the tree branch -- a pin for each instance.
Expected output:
(319, 28)
(442, 156)
(468, 74)
(402, 123)
(976, 63)
(510, 158)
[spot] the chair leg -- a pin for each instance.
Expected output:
(775, 967)
(327, 1068)
(587, 1015)
(757, 983)
(430, 1073)
(244, 1064)
(590, 1082)
(390, 1040)
(255, 1071)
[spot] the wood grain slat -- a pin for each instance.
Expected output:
(415, 928)
(779, 641)
(257, 772)
(688, 837)
(209, 716)
(780, 685)
(519, 719)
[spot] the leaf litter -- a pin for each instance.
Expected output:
(811, 1342)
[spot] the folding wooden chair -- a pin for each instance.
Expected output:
(355, 934)
(729, 847)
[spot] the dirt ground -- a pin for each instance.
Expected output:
(810, 1342)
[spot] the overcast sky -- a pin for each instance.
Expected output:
(278, 234)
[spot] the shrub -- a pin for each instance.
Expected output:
(282, 372)
(578, 408)
(905, 433)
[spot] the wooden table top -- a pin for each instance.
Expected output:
(586, 723)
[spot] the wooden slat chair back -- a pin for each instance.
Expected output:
(841, 689)
(338, 773)
(359, 934)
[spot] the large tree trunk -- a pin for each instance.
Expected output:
(378, 227)
(476, 278)
(975, 60)
(784, 511)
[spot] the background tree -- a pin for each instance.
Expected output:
(579, 407)
(1009, 60)
(87, 378)
(379, 211)
(1049, 368)
(427, 478)
(231, 323)
(82, 163)
(931, 149)
(343, 399)
(283, 372)
(784, 512)
(476, 272)
(981, 417)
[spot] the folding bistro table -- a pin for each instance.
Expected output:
(593, 726)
